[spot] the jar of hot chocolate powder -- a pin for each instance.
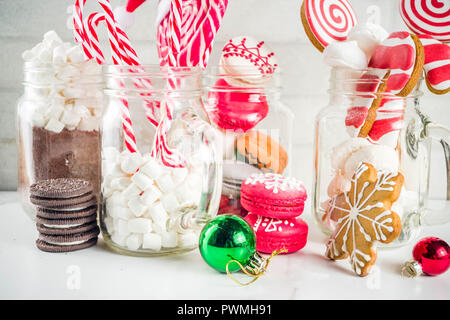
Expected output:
(58, 116)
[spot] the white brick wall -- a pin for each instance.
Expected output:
(22, 23)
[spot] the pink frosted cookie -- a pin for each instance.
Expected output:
(427, 17)
(437, 64)
(276, 234)
(273, 196)
(327, 21)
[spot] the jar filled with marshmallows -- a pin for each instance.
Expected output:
(58, 116)
(161, 167)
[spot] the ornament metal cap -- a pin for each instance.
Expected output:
(411, 269)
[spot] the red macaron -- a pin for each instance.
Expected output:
(276, 234)
(273, 196)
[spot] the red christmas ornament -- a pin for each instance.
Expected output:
(431, 256)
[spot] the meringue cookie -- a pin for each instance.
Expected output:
(343, 151)
(368, 36)
(345, 54)
(383, 158)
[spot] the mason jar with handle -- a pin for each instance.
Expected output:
(399, 141)
(153, 203)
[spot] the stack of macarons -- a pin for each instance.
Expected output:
(66, 214)
(274, 203)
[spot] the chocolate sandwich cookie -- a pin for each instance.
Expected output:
(67, 229)
(66, 214)
(67, 243)
(65, 222)
(76, 203)
(234, 172)
(60, 188)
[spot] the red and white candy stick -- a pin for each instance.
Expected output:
(185, 38)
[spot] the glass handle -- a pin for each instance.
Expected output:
(438, 210)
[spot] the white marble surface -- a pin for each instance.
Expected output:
(97, 273)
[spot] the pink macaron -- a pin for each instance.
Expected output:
(273, 196)
(276, 234)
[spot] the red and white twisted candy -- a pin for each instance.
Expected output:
(79, 31)
(437, 64)
(397, 54)
(329, 20)
(90, 24)
(388, 123)
(200, 22)
(431, 17)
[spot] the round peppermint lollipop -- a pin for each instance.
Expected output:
(326, 21)
(427, 17)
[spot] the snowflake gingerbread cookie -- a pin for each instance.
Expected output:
(364, 217)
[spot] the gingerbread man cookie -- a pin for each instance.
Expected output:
(364, 217)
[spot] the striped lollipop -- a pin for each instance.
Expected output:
(431, 17)
(326, 21)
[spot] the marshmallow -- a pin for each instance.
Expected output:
(89, 124)
(39, 120)
(368, 36)
(179, 174)
(383, 158)
(188, 239)
(75, 55)
(165, 183)
(134, 241)
(109, 223)
(121, 212)
(119, 239)
(121, 226)
(158, 214)
(131, 162)
(132, 191)
(28, 55)
(170, 202)
(54, 126)
(70, 118)
(182, 193)
(139, 225)
(142, 180)
(152, 241)
(345, 54)
(137, 207)
(54, 111)
(169, 239)
(343, 151)
(120, 183)
(50, 36)
(150, 195)
(59, 55)
(152, 169)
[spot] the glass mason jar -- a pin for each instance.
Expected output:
(58, 119)
(149, 207)
(399, 140)
(256, 128)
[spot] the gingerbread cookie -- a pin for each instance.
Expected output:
(327, 21)
(364, 217)
(427, 17)
(437, 64)
(261, 151)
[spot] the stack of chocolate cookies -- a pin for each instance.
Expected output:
(66, 215)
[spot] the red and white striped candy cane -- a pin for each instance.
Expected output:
(79, 31)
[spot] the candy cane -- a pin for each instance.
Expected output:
(79, 31)
(92, 22)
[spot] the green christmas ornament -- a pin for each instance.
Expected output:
(228, 244)
(227, 238)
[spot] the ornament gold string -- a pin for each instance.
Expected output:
(254, 275)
